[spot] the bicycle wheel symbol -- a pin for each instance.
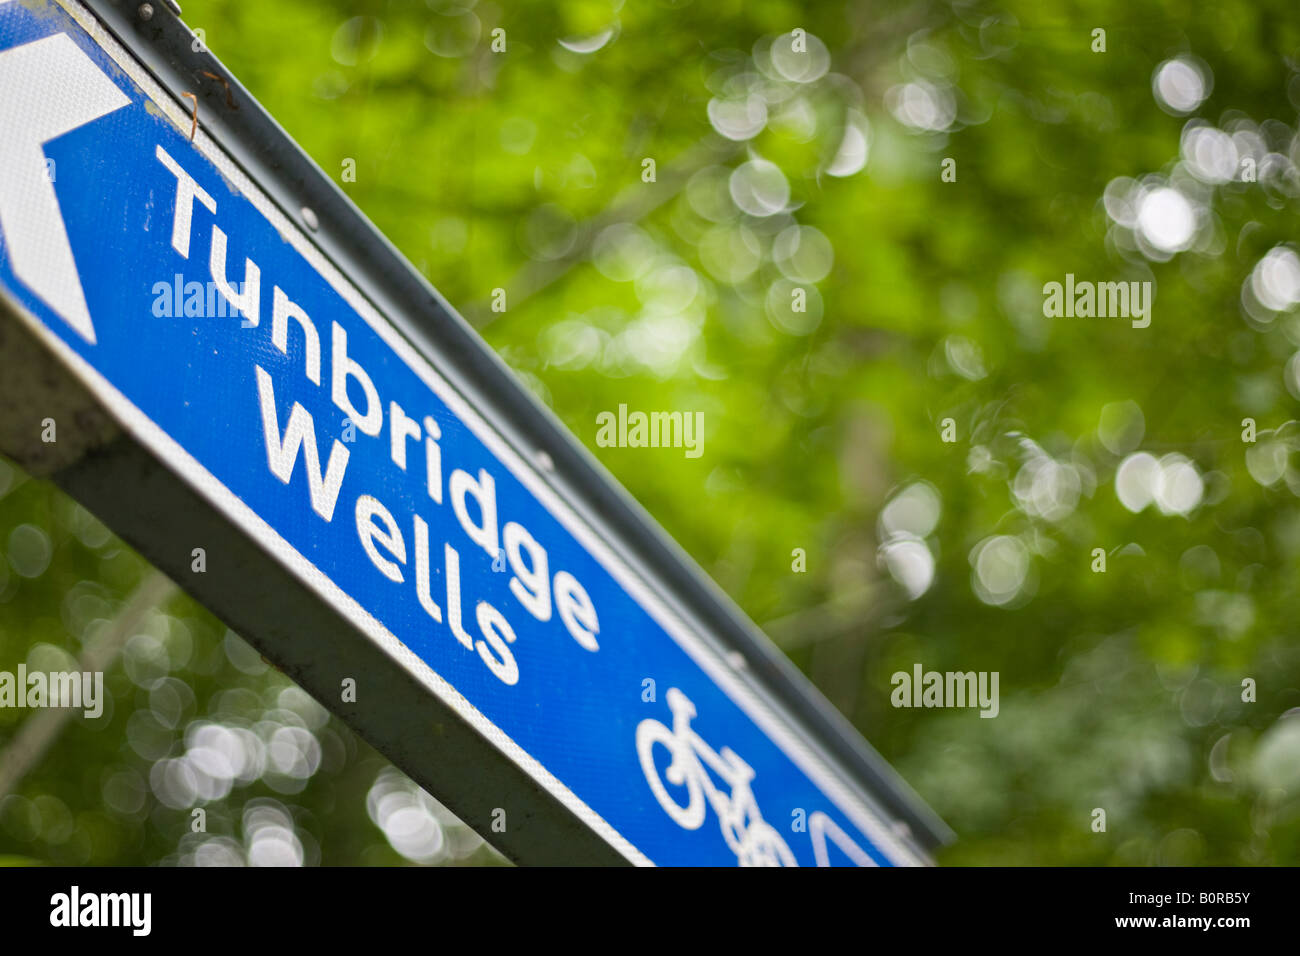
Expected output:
(763, 846)
(688, 816)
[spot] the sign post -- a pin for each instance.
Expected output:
(237, 361)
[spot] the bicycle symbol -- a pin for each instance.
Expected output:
(754, 841)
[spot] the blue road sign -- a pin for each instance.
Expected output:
(217, 334)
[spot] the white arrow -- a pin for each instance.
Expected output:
(47, 88)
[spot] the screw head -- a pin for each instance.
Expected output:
(145, 11)
(309, 218)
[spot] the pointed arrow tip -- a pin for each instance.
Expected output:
(42, 74)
